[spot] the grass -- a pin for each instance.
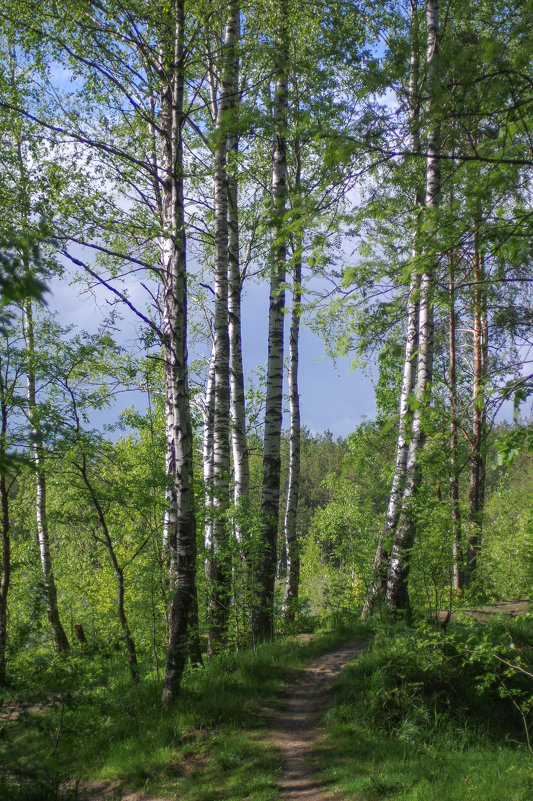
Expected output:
(421, 716)
(427, 717)
(79, 718)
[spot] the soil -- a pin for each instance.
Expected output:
(296, 729)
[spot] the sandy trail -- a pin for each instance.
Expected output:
(295, 730)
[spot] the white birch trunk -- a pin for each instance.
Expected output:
(207, 451)
(291, 508)
(171, 514)
(398, 569)
(263, 611)
(173, 264)
(241, 465)
(219, 569)
(377, 585)
(59, 637)
(241, 468)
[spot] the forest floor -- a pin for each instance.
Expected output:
(296, 729)
(484, 613)
(295, 732)
(265, 734)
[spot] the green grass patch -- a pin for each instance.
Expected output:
(424, 716)
(79, 717)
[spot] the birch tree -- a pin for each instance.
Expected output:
(134, 59)
(291, 507)
(263, 611)
(219, 569)
(398, 568)
(8, 382)
(173, 260)
(378, 584)
(58, 634)
(23, 185)
(241, 466)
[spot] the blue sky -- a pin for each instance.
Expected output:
(333, 396)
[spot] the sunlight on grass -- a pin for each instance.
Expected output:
(405, 725)
(212, 746)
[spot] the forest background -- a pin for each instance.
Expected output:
(368, 166)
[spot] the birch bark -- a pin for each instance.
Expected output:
(5, 566)
(207, 453)
(379, 569)
(59, 637)
(398, 569)
(173, 266)
(220, 563)
(263, 610)
(170, 520)
(291, 539)
(241, 467)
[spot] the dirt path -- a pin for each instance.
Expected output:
(483, 613)
(295, 730)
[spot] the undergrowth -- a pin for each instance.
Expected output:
(79, 716)
(428, 716)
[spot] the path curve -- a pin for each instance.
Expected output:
(295, 730)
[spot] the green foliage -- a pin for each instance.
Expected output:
(338, 548)
(513, 442)
(428, 715)
(80, 716)
(17, 252)
(94, 171)
(507, 557)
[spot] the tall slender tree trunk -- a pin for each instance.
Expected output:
(263, 611)
(379, 569)
(239, 442)
(241, 467)
(173, 264)
(377, 586)
(170, 531)
(208, 407)
(119, 572)
(59, 637)
(477, 460)
(292, 583)
(170, 525)
(291, 536)
(5, 565)
(457, 550)
(399, 563)
(220, 562)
